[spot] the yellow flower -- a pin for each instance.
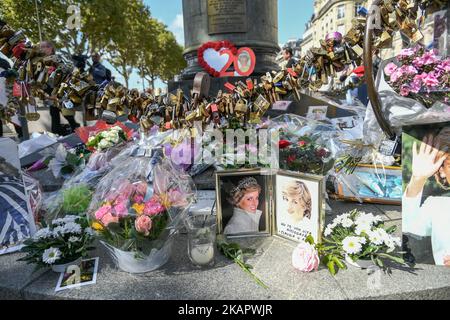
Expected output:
(97, 226)
(139, 208)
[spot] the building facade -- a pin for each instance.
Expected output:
(337, 15)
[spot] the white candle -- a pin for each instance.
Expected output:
(202, 254)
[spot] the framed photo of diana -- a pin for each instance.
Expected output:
(243, 208)
(299, 206)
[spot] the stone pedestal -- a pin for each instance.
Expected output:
(246, 23)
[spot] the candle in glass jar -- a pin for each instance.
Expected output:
(202, 254)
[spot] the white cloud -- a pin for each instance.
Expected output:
(177, 27)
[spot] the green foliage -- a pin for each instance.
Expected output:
(76, 199)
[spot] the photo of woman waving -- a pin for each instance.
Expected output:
(430, 164)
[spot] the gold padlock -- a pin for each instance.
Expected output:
(241, 106)
(278, 77)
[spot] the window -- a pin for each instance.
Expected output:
(341, 12)
(341, 29)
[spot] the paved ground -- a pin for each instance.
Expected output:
(225, 281)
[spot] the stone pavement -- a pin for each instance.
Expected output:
(178, 279)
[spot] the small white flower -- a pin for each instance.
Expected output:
(104, 144)
(51, 255)
(347, 223)
(328, 231)
(116, 128)
(43, 234)
(73, 227)
(352, 245)
(74, 239)
(397, 241)
(91, 139)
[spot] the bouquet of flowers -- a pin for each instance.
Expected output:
(64, 241)
(352, 237)
(420, 74)
(303, 154)
(107, 139)
(136, 219)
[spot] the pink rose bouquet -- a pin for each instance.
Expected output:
(420, 75)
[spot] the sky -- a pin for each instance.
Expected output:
(292, 17)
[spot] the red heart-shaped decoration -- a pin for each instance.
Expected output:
(216, 46)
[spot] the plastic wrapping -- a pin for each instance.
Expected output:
(137, 208)
(35, 196)
(307, 146)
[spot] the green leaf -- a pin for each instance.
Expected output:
(331, 268)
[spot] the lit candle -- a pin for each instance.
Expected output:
(202, 254)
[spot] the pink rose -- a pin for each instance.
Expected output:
(121, 209)
(109, 218)
(390, 68)
(102, 212)
(305, 258)
(143, 225)
(153, 207)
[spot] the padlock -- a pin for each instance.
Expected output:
(241, 106)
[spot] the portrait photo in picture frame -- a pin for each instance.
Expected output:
(426, 197)
(298, 206)
(243, 203)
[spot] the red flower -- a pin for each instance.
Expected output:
(291, 159)
(283, 144)
(302, 143)
(321, 153)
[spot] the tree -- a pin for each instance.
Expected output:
(137, 34)
(164, 60)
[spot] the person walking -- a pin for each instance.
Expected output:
(48, 49)
(98, 71)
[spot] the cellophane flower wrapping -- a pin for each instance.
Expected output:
(137, 208)
(305, 145)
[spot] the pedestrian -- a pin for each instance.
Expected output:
(98, 71)
(48, 49)
(288, 58)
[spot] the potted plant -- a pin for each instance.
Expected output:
(64, 242)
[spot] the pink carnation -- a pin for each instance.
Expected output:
(121, 209)
(102, 212)
(305, 258)
(390, 68)
(143, 224)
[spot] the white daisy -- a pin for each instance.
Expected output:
(352, 245)
(51, 255)
(375, 238)
(363, 228)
